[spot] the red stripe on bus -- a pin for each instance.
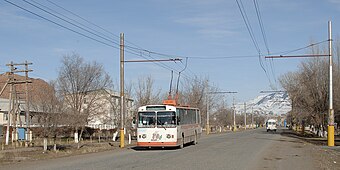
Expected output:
(157, 144)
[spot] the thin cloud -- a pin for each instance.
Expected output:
(214, 25)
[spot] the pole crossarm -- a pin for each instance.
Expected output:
(221, 92)
(18, 64)
(298, 56)
(273, 91)
(140, 61)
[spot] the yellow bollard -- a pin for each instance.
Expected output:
(121, 138)
(330, 135)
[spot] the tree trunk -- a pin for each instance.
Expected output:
(81, 133)
(76, 140)
(45, 144)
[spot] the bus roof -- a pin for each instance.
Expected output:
(163, 107)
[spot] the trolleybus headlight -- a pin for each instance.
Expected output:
(144, 136)
(168, 136)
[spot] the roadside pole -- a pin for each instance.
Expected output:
(122, 94)
(122, 90)
(330, 134)
(234, 128)
(330, 128)
(219, 92)
(207, 126)
(245, 116)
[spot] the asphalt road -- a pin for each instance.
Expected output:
(251, 149)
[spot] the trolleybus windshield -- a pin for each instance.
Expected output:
(166, 118)
(146, 119)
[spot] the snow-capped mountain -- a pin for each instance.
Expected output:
(272, 104)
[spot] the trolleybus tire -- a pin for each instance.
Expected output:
(195, 139)
(181, 146)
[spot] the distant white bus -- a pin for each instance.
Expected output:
(167, 126)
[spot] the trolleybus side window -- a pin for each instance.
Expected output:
(146, 119)
(166, 118)
(187, 116)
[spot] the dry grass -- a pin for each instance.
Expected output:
(11, 155)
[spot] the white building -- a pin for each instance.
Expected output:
(108, 114)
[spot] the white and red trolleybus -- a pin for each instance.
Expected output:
(167, 126)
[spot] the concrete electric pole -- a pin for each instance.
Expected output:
(245, 115)
(122, 90)
(330, 134)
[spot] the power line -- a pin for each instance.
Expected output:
(137, 48)
(89, 22)
(259, 18)
(95, 34)
(54, 11)
(224, 57)
(252, 36)
(299, 49)
(264, 36)
(248, 26)
(77, 32)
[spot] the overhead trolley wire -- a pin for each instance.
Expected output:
(252, 36)
(52, 10)
(79, 33)
(136, 48)
(60, 25)
(299, 49)
(264, 36)
(89, 22)
(95, 34)
(248, 26)
(259, 18)
(139, 51)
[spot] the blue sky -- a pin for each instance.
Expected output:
(204, 31)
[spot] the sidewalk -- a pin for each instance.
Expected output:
(308, 137)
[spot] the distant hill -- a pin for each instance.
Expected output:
(37, 87)
(271, 104)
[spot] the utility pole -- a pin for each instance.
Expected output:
(219, 92)
(9, 112)
(234, 128)
(122, 90)
(245, 116)
(28, 123)
(12, 112)
(330, 134)
(122, 94)
(252, 118)
(207, 126)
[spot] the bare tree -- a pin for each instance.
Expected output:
(78, 82)
(308, 90)
(145, 92)
(199, 93)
